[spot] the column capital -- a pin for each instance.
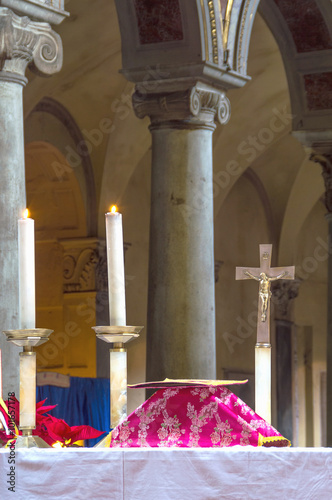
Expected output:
(196, 106)
(325, 160)
(283, 292)
(85, 264)
(81, 258)
(27, 43)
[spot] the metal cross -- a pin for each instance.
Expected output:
(265, 274)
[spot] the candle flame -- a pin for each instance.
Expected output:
(26, 213)
(114, 209)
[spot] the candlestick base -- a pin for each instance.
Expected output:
(27, 440)
(117, 334)
(28, 338)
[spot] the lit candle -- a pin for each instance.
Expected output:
(115, 267)
(26, 248)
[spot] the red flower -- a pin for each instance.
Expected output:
(60, 431)
(40, 409)
(49, 428)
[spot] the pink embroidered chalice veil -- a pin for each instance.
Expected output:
(187, 414)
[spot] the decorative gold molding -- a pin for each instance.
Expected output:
(225, 23)
(243, 22)
(213, 27)
(244, 34)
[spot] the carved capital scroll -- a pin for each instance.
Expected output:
(27, 43)
(85, 265)
(325, 160)
(283, 293)
(199, 105)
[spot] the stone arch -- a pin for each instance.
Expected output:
(307, 190)
(209, 40)
(238, 146)
(50, 122)
(127, 145)
(57, 204)
(54, 196)
(302, 30)
(262, 195)
(64, 295)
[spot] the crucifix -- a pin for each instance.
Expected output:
(264, 274)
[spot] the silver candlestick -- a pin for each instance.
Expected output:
(117, 336)
(28, 339)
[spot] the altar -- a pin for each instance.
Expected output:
(167, 474)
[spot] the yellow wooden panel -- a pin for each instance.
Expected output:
(79, 317)
(51, 355)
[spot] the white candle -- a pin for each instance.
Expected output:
(115, 266)
(263, 382)
(26, 248)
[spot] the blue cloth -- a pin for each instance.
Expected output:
(85, 402)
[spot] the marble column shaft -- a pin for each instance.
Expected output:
(23, 42)
(12, 203)
(284, 292)
(323, 156)
(329, 338)
(181, 301)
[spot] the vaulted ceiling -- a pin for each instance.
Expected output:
(303, 31)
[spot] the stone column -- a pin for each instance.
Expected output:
(329, 328)
(23, 43)
(181, 302)
(325, 160)
(283, 292)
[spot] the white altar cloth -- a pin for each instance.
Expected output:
(169, 474)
